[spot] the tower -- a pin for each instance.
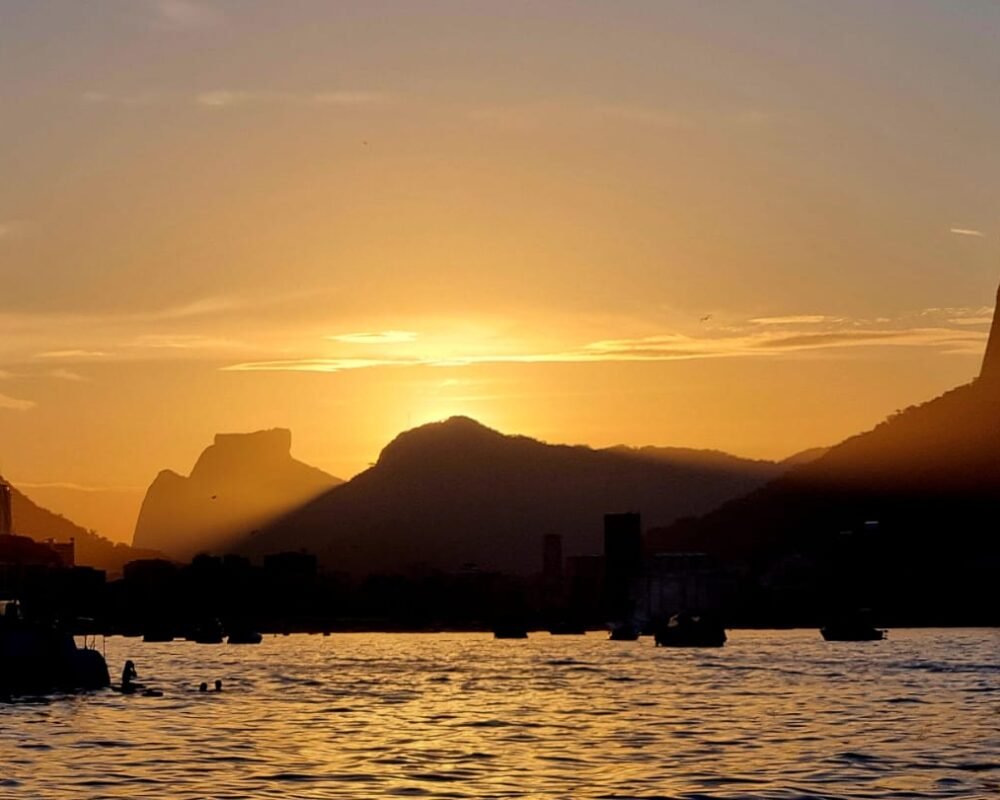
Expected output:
(990, 372)
(622, 563)
(6, 512)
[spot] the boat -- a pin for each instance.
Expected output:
(38, 658)
(690, 630)
(567, 628)
(209, 632)
(158, 633)
(244, 636)
(510, 631)
(854, 627)
(625, 632)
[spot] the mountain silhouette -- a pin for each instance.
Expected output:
(928, 478)
(92, 550)
(456, 492)
(239, 483)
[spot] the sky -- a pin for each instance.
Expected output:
(756, 227)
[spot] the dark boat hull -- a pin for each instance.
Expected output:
(832, 634)
(41, 661)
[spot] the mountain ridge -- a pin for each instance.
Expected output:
(455, 492)
(238, 483)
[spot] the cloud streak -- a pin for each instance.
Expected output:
(661, 347)
(967, 232)
(184, 15)
(9, 403)
(229, 98)
(379, 337)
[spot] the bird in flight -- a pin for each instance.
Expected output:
(706, 318)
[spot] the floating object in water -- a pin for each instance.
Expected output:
(244, 636)
(209, 632)
(854, 627)
(218, 686)
(625, 632)
(567, 628)
(690, 630)
(510, 631)
(157, 633)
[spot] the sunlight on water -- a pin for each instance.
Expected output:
(773, 715)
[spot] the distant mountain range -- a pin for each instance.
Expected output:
(456, 492)
(241, 482)
(931, 472)
(92, 550)
(927, 480)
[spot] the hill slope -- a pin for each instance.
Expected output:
(454, 492)
(239, 483)
(92, 550)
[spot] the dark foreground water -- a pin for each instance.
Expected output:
(772, 715)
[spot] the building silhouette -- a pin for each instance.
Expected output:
(622, 563)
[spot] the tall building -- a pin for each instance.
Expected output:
(552, 559)
(622, 563)
(990, 372)
(6, 512)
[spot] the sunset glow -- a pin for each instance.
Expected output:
(343, 233)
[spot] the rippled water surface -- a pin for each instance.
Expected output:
(771, 715)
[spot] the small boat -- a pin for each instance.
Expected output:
(157, 633)
(209, 632)
(244, 636)
(36, 658)
(567, 628)
(854, 627)
(690, 630)
(625, 632)
(510, 631)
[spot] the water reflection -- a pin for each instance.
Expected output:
(773, 714)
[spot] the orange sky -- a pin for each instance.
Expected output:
(704, 224)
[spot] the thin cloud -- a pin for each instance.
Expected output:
(75, 487)
(72, 354)
(231, 98)
(66, 375)
(9, 403)
(182, 341)
(662, 347)
(966, 232)
(182, 15)
(378, 337)
(801, 319)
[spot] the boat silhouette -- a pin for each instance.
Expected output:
(690, 630)
(39, 658)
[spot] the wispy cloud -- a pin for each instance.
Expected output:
(182, 15)
(800, 319)
(74, 487)
(72, 353)
(182, 341)
(659, 347)
(66, 375)
(966, 232)
(14, 404)
(229, 98)
(379, 337)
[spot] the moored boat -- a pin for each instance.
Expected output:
(690, 630)
(856, 627)
(36, 658)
